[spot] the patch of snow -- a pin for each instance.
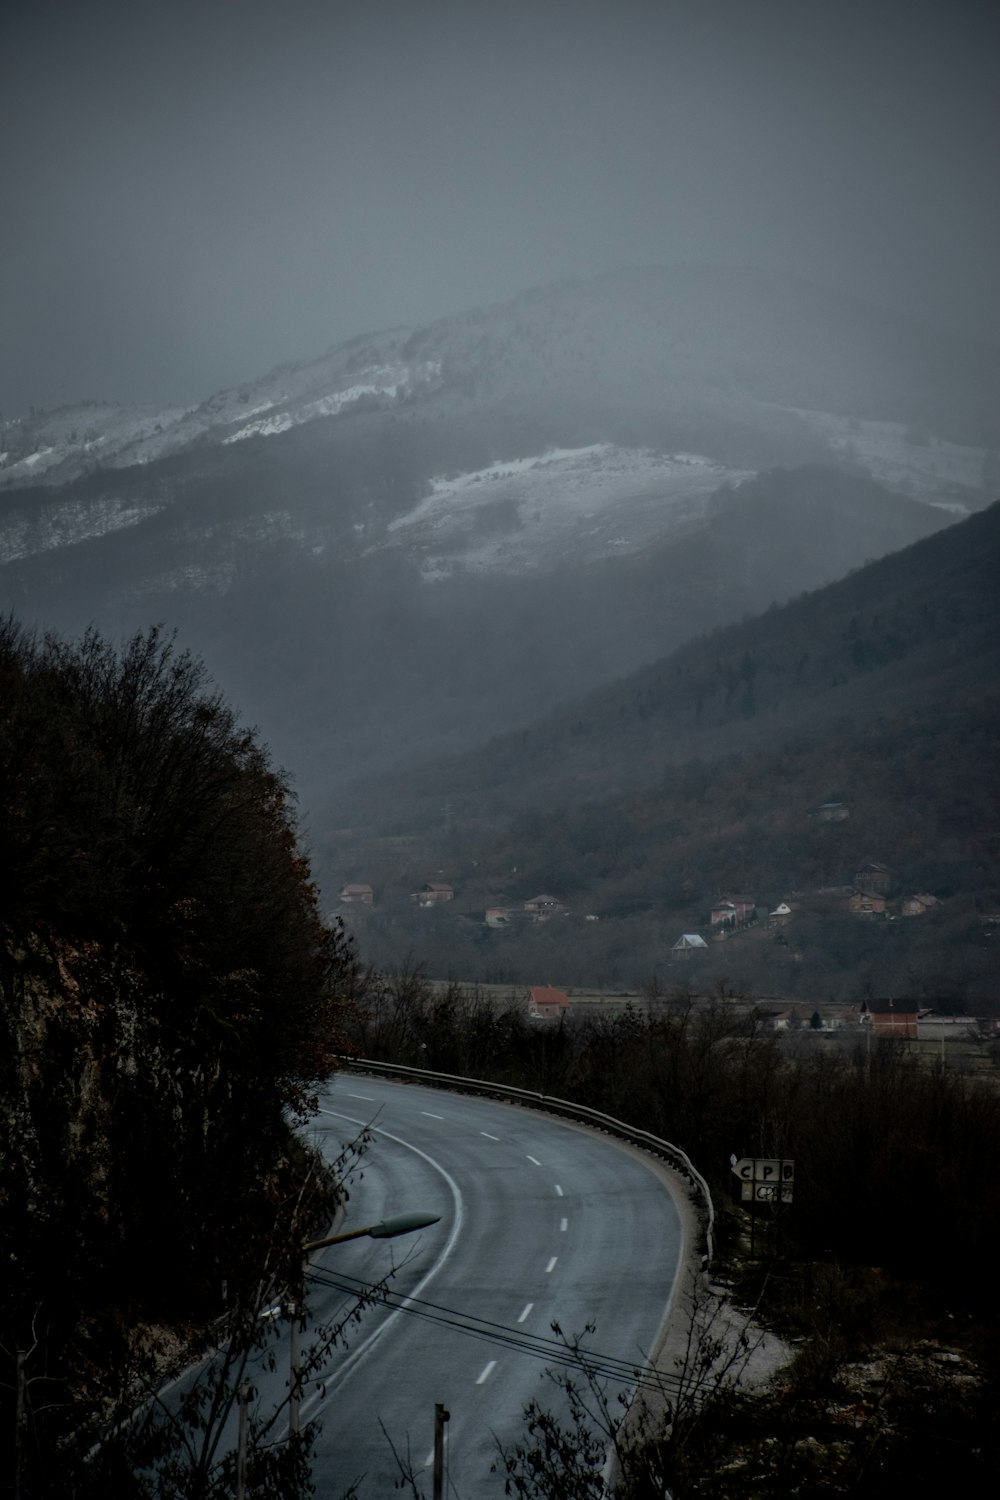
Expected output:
(388, 380)
(917, 464)
(265, 428)
(531, 512)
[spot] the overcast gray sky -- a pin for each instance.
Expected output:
(194, 190)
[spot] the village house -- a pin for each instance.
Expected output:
(873, 877)
(357, 894)
(782, 914)
(499, 916)
(794, 1019)
(434, 893)
(864, 904)
(688, 943)
(891, 1018)
(837, 1020)
(547, 1004)
(915, 906)
(932, 1027)
(732, 913)
(540, 908)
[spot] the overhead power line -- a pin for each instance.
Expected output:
(551, 1350)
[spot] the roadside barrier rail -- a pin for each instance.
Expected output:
(581, 1113)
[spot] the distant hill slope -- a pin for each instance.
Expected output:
(915, 632)
(351, 660)
(700, 776)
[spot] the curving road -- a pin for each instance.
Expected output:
(540, 1221)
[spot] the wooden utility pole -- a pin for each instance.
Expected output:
(245, 1397)
(440, 1418)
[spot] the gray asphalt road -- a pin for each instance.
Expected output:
(539, 1222)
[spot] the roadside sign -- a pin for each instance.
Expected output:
(765, 1192)
(765, 1169)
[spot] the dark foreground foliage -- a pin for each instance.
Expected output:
(168, 997)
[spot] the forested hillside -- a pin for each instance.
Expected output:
(697, 777)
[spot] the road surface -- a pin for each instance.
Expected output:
(540, 1222)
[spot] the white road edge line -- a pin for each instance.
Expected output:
(487, 1372)
(318, 1398)
(534, 1160)
(527, 1310)
(366, 1098)
(551, 1263)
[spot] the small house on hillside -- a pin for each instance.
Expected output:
(434, 893)
(539, 908)
(732, 912)
(357, 894)
(865, 904)
(782, 913)
(688, 943)
(915, 906)
(499, 916)
(873, 876)
(547, 1004)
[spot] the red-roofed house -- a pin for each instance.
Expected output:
(546, 1004)
(891, 1018)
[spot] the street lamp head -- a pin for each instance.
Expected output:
(387, 1229)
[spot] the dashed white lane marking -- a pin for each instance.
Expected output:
(430, 1116)
(527, 1310)
(563, 1225)
(487, 1372)
(366, 1097)
(559, 1191)
(488, 1136)
(429, 1460)
(534, 1161)
(551, 1263)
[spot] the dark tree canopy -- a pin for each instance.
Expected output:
(168, 992)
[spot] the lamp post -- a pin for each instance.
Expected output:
(385, 1229)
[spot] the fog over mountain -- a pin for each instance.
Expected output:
(200, 191)
(636, 320)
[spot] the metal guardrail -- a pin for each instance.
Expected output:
(579, 1112)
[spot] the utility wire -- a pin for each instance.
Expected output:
(606, 1366)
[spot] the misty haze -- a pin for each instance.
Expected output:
(499, 541)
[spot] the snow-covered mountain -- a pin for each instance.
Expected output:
(449, 528)
(746, 368)
(58, 446)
